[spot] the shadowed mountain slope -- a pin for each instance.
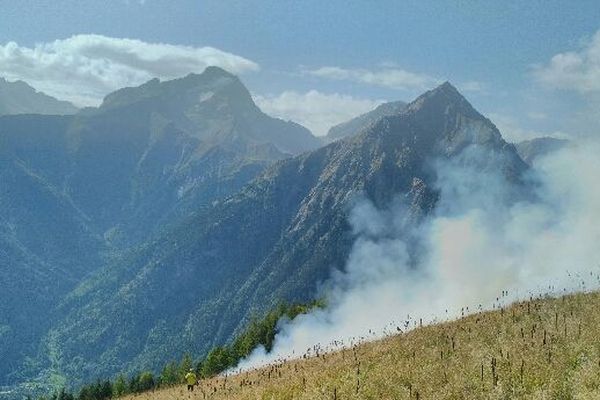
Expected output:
(78, 191)
(277, 239)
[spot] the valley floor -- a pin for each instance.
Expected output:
(541, 349)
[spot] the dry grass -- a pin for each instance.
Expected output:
(542, 349)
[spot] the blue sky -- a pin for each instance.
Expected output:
(321, 62)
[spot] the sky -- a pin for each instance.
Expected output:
(532, 67)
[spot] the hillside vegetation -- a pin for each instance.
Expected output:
(541, 349)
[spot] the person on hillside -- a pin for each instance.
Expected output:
(191, 380)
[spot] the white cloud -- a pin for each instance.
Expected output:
(575, 70)
(390, 77)
(315, 110)
(84, 68)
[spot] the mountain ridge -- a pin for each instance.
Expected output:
(362, 121)
(18, 97)
(278, 238)
(191, 103)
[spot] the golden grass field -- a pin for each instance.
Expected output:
(541, 349)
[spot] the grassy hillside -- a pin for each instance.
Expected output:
(542, 349)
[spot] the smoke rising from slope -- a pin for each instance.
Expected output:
(483, 246)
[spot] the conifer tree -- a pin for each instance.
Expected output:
(120, 386)
(146, 381)
(169, 374)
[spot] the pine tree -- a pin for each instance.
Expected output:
(218, 360)
(64, 395)
(85, 393)
(106, 391)
(146, 381)
(134, 384)
(169, 374)
(120, 386)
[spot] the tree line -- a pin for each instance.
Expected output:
(260, 332)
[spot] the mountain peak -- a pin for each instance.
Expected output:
(214, 106)
(446, 87)
(211, 80)
(449, 91)
(210, 74)
(441, 97)
(218, 72)
(443, 121)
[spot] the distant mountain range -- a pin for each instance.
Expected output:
(20, 98)
(162, 221)
(530, 150)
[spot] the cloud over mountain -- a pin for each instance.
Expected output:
(84, 68)
(316, 110)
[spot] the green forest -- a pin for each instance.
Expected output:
(259, 332)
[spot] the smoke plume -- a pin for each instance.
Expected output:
(482, 248)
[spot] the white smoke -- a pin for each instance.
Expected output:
(480, 249)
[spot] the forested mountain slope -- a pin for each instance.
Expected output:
(78, 192)
(277, 239)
